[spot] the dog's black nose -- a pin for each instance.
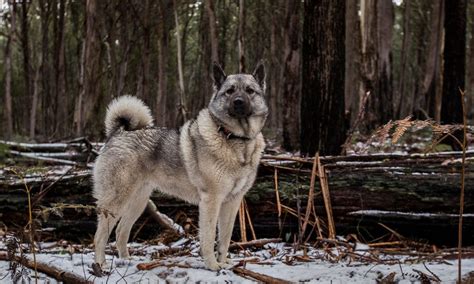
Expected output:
(238, 102)
(240, 107)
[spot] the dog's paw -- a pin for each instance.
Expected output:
(226, 264)
(213, 265)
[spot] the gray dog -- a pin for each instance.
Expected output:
(210, 161)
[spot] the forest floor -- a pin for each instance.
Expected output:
(308, 264)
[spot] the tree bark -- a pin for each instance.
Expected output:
(61, 99)
(430, 91)
(322, 103)
(90, 69)
(241, 39)
(376, 30)
(290, 76)
(352, 72)
(454, 60)
(470, 86)
(27, 70)
(8, 71)
(182, 111)
(163, 42)
(405, 105)
(212, 30)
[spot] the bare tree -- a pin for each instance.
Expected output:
(430, 90)
(322, 102)
(211, 14)
(454, 60)
(8, 69)
(352, 75)
(90, 66)
(376, 29)
(163, 46)
(182, 113)
(241, 39)
(290, 76)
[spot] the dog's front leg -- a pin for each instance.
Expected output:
(226, 225)
(209, 207)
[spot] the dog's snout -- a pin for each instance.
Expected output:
(239, 102)
(240, 107)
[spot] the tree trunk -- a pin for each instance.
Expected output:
(27, 70)
(290, 76)
(430, 91)
(454, 60)
(61, 99)
(470, 86)
(322, 103)
(212, 30)
(89, 93)
(405, 96)
(352, 73)
(8, 71)
(182, 111)
(241, 41)
(163, 42)
(376, 30)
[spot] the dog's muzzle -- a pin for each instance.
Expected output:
(240, 107)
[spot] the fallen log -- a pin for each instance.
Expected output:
(52, 271)
(410, 184)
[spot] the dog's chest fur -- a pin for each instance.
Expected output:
(216, 164)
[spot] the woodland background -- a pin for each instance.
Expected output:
(62, 62)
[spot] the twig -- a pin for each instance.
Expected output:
(52, 271)
(277, 193)
(243, 226)
(258, 276)
(310, 202)
(254, 243)
(158, 263)
(461, 198)
(327, 199)
(252, 231)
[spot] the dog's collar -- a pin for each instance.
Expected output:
(227, 133)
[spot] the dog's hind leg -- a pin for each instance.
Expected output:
(106, 222)
(209, 207)
(132, 210)
(226, 225)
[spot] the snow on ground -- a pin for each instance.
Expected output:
(275, 259)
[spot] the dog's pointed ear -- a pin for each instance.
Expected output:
(259, 74)
(218, 75)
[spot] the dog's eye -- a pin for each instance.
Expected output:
(249, 91)
(230, 91)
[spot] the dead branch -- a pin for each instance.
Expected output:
(162, 219)
(258, 276)
(254, 243)
(52, 271)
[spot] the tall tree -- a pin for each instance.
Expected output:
(454, 60)
(322, 102)
(163, 46)
(290, 76)
(430, 90)
(241, 39)
(25, 46)
(90, 66)
(376, 30)
(8, 69)
(352, 75)
(211, 17)
(470, 86)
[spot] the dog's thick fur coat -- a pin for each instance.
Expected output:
(210, 161)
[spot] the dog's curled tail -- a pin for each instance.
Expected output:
(127, 112)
